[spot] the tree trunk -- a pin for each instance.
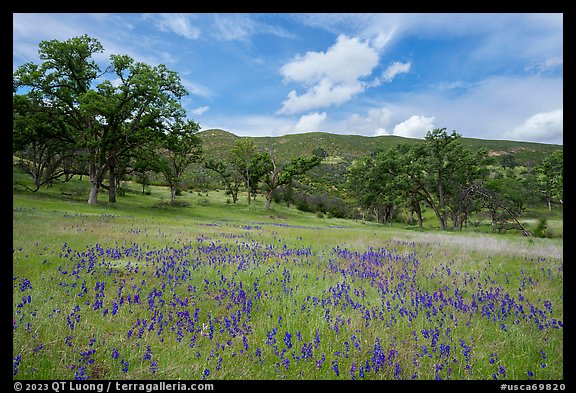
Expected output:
(248, 185)
(173, 194)
(233, 193)
(96, 181)
(268, 199)
(93, 196)
(418, 213)
(441, 218)
(112, 186)
(441, 211)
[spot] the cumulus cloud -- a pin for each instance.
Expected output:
(545, 127)
(251, 125)
(322, 95)
(375, 122)
(331, 77)
(310, 122)
(415, 127)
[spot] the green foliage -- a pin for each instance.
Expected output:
(177, 149)
(348, 148)
(541, 228)
(551, 178)
(105, 123)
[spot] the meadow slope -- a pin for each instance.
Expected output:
(213, 290)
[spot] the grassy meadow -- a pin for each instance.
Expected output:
(214, 290)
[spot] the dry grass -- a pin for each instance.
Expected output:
(487, 244)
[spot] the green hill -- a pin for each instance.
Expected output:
(217, 143)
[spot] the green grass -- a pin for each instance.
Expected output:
(350, 147)
(167, 275)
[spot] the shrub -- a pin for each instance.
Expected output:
(542, 228)
(203, 202)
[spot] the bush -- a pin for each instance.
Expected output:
(323, 203)
(203, 202)
(542, 229)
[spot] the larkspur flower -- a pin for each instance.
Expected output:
(287, 340)
(17, 361)
(320, 361)
(335, 367)
(317, 339)
(397, 371)
(80, 374)
(148, 354)
(125, 365)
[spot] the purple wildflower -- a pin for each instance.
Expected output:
(17, 361)
(287, 340)
(335, 367)
(125, 365)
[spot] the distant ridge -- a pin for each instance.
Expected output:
(217, 143)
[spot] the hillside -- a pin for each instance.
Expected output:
(217, 143)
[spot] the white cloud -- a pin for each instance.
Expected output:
(176, 23)
(232, 27)
(251, 125)
(30, 29)
(394, 69)
(375, 122)
(382, 38)
(196, 88)
(545, 127)
(200, 110)
(449, 85)
(546, 65)
(415, 127)
(324, 94)
(345, 61)
(486, 109)
(331, 77)
(504, 35)
(241, 27)
(310, 122)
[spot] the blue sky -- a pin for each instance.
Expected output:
(484, 75)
